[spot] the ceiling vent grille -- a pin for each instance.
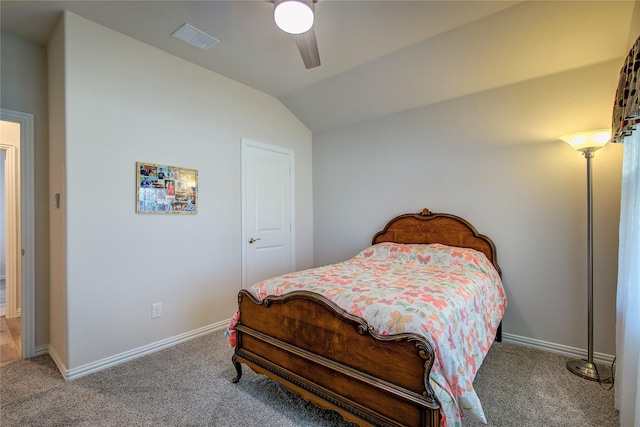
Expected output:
(195, 37)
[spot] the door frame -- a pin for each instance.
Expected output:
(27, 227)
(12, 227)
(268, 147)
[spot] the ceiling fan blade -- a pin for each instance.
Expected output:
(308, 47)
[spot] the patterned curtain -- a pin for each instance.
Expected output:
(626, 109)
(626, 115)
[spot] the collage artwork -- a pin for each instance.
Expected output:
(166, 189)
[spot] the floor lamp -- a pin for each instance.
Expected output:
(588, 142)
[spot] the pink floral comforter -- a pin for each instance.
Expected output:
(452, 296)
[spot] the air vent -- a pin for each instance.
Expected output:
(195, 37)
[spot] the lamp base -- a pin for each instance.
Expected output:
(590, 371)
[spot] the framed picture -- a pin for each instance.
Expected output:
(163, 189)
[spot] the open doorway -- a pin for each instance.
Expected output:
(17, 145)
(10, 243)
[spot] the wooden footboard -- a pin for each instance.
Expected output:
(333, 359)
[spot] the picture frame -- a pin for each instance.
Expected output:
(164, 189)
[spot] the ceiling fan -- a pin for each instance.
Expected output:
(296, 17)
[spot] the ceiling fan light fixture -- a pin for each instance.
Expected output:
(293, 16)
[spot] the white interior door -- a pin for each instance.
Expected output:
(268, 211)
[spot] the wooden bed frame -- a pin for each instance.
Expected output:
(333, 358)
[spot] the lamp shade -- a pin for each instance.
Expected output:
(293, 16)
(588, 141)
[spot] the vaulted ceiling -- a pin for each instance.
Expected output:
(378, 57)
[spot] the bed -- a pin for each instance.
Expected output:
(302, 330)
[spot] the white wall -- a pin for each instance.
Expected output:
(125, 102)
(495, 159)
(59, 328)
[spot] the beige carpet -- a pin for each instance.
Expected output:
(190, 385)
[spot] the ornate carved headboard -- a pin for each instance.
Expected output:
(428, 227)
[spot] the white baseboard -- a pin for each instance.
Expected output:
(41, 350)
(89, 368)
(70, 374)
(565, 350)
(57, 360)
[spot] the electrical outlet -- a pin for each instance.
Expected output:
(156, 310)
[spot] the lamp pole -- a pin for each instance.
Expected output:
(586, 368)
(589, 155)
(588, 143)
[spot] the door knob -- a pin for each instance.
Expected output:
(252, 240)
